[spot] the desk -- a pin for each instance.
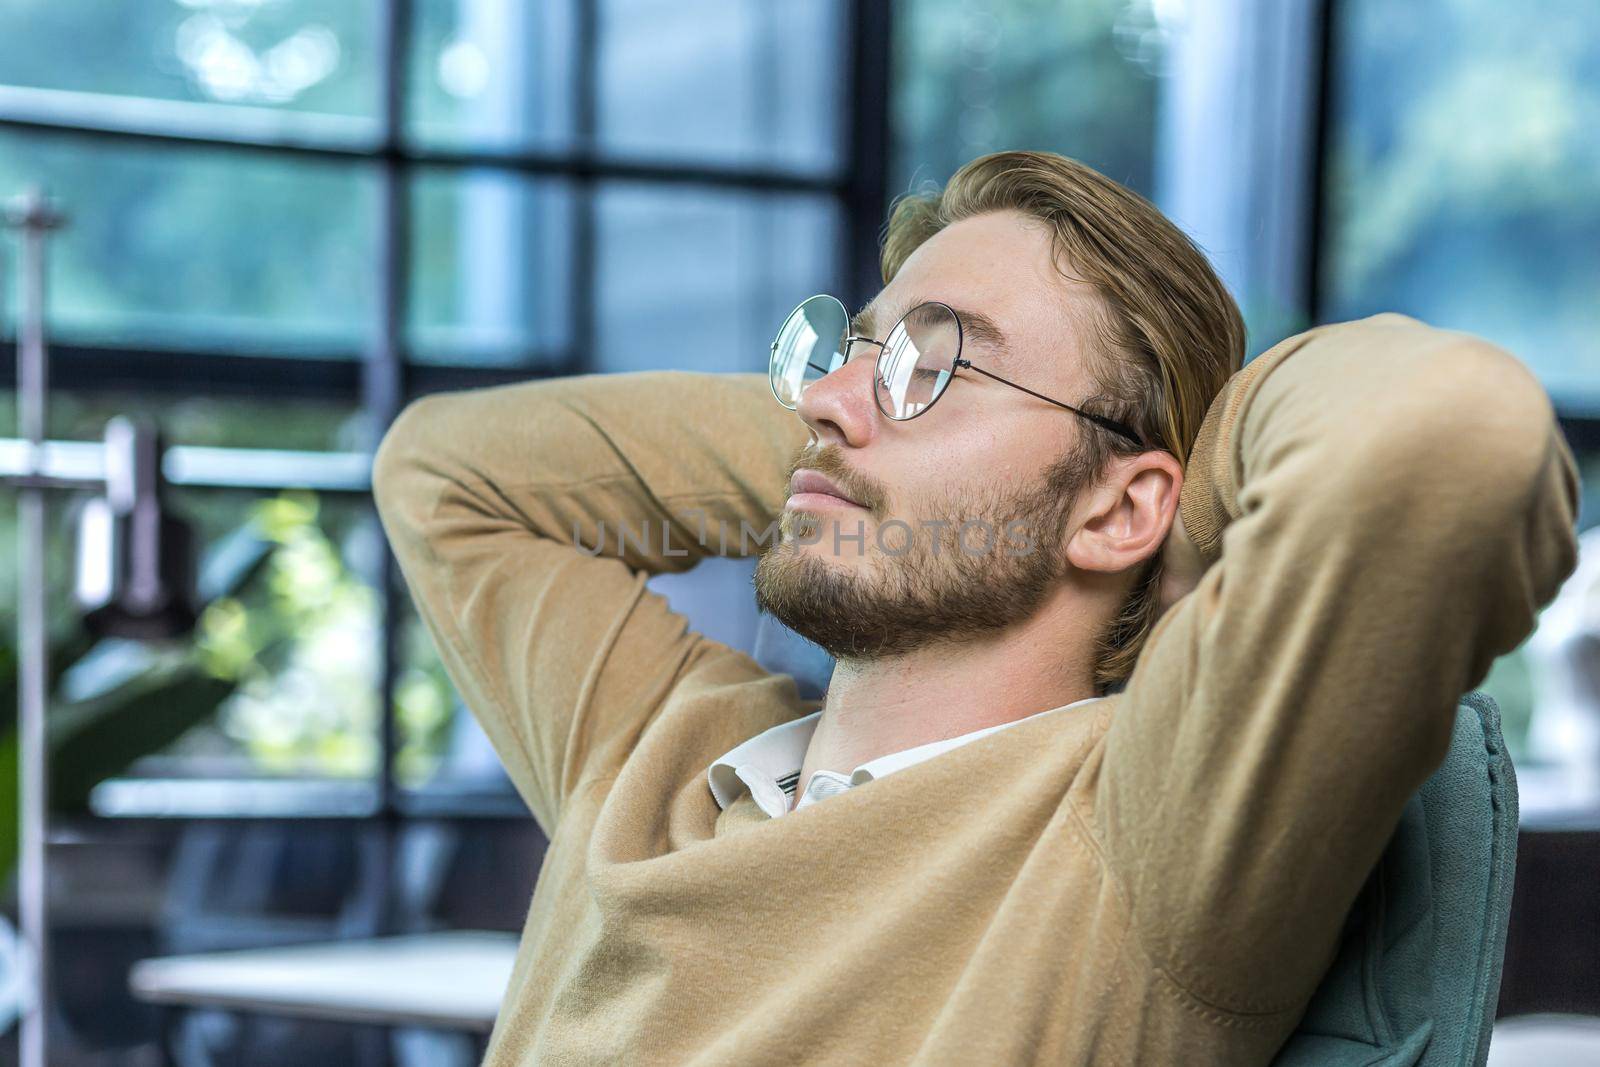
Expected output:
(452, 980)
(1545, 1041)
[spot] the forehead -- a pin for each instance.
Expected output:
(1002, 266)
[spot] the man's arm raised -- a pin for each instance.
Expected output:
(526, 519)
(1384, 507)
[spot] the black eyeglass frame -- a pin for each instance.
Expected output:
(1118, 428)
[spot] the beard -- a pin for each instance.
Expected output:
(943, 587)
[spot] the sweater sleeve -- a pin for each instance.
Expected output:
(1386, 507)
(526, 518)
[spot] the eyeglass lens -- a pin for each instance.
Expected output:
(913, 369)
(918, 358)
(810, 344)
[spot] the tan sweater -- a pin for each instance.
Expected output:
(1160, 878)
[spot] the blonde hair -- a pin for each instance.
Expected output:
(1169, 333)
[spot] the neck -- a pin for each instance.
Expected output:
(878, 706)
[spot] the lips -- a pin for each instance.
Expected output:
(810, 481)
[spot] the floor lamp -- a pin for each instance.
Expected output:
(135, 579)
(33, 217)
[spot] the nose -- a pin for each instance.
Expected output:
(839, 407)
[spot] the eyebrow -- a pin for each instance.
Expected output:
(975, 325)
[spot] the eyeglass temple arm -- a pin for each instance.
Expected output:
(1111, 424)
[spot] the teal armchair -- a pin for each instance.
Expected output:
(1418, 973)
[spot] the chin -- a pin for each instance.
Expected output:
(844, 539)
(817, 560)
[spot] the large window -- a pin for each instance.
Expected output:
(288, 217)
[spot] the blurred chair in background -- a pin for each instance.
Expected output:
(718, 601)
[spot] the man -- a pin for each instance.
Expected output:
(1098, 788)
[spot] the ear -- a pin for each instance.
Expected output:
(1124, 518)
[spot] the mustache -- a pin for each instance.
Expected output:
(829, 460)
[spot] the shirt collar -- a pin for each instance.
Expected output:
(768, 764)
(770, 759)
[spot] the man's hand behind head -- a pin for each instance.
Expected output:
(1182, 566)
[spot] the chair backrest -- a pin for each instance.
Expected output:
(1417, 976)
(715, 597)
(782, 651)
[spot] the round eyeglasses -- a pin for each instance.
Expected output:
(914, 368)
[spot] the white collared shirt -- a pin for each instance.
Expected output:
(768, 765)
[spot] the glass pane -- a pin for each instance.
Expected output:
(752, 82)
(295, 640)
(1464, 183)
(305, 55)
(425, 706)
(443, 751)
(1079, 78)
(491, 278)
(701, 279)
(280, 677)
(491, 73)
(184, 247)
